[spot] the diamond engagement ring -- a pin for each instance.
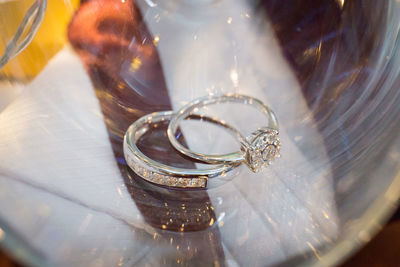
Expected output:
(257, 150)
(161, 174)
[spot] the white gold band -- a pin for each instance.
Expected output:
(158, 173)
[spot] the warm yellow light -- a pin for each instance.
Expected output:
(156, 39)
(49, 39)
(234, 77)
(135, 64)
(325, 214)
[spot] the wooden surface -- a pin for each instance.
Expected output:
(383, 250)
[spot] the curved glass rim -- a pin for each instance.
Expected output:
(368, 225)
(19, 250)
(373, 219)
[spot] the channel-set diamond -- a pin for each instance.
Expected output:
(166, 180)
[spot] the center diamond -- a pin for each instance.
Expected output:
(261, 148)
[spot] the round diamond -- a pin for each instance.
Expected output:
(182, 182)
(157, 178)
(269, 152)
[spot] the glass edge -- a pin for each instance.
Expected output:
(370, 224)
(372, 221)
(18, 249)
(380, 211)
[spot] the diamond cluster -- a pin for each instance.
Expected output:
(166, 180)
(261, 148)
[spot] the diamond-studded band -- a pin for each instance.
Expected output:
(158, 173)
(255, 153)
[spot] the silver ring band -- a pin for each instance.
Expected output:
(159, 173)
(254, 152)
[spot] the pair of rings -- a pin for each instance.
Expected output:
(257, 150)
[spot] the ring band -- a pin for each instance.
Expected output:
(159, 173)
(257, 150)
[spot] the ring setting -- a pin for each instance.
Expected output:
(261, 148)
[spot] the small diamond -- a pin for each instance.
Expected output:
(140, 170)
(197, 182)
(170, 181)
(181, 182)
(194, 182)
(268, 152)
(164, 179)
(157, 178)
(185, 182)
(175, 182)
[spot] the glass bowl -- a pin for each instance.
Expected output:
(80, 73)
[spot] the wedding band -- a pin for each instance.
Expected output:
(257, 150)
(161, 174)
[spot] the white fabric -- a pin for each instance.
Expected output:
(288, 208)
(53, 139)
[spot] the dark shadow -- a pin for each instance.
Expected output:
(123, 64)
(333, 48)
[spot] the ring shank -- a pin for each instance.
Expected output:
(229, 158)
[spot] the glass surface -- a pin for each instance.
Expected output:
(329, 70)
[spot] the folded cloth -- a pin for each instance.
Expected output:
(57, 163)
